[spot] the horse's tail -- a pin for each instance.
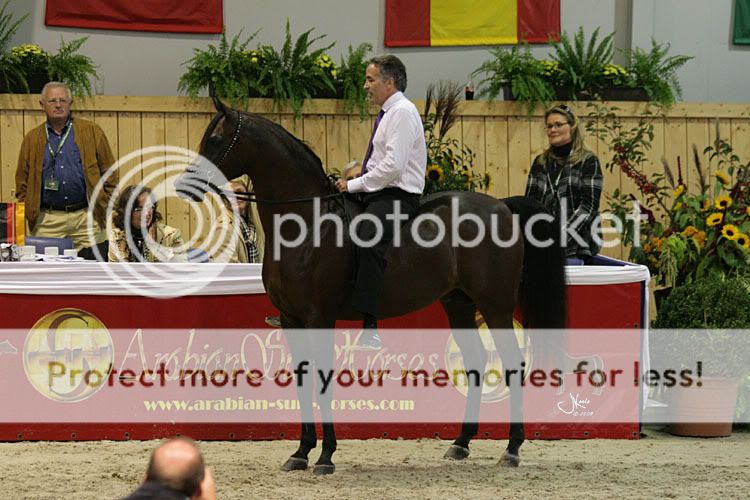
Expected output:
(542, 295)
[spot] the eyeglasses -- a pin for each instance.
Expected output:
(56, 100)
(556, 125)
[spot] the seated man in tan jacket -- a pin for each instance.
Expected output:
(60, 163)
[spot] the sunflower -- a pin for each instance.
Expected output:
(730, 231)
(723, 177)
(723, 202)
(747, 210)
(700, 238)
(706, 205)
(714, 219)
(678, 192)
(677, 205)
(435, 173)
(742, 240)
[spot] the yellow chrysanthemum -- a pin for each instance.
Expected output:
(689, 231)
(679, 190)
(254, 60)
(730, 231)
(435, 173)
(743, 240)
(723, 202)
(723, 177)
(333, 73)
(714, 220)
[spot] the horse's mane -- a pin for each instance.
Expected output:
(305, 157)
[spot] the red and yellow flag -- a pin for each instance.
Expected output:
(470, 22)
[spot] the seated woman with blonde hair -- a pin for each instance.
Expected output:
(241, 241)
(137, 233)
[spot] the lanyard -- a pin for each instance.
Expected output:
(53, 153)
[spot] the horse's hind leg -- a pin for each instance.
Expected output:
(461, 314)
(301, 347)
(324, 351)
(501, 326)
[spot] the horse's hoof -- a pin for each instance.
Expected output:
(324, 469)
(509, 460)
(456, 452)
(294, 463)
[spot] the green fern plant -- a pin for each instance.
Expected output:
(291, 75)
(581, 63)
(351, 75)
(224, 70)
(518, 68)
(72, 68)
(655, 72)
(10, 72)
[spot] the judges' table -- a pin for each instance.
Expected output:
(83, 342)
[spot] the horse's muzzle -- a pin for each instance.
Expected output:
(190, 186)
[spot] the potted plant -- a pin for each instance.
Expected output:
(226, 71)
(450, 166)
(34, 64)
(351, 78)
(654, 71)
(581, 63)
(74, 69)
(516, 73)
(10, 72)
(293, 74)
(617, 84)
(701, 322)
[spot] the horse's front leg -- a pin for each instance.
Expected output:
(300, 346)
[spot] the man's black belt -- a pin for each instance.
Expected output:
(66, 208)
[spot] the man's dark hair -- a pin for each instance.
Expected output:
(188, 480)
(391, 67)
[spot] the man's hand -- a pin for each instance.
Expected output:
(341, 185)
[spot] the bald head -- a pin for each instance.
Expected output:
(177, 463)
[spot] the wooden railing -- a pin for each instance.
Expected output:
(503, 136)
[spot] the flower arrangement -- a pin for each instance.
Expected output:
(449, 164)
(685, 233)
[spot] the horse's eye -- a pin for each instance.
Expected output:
(214, 141)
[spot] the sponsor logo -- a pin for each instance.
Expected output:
(68, 355)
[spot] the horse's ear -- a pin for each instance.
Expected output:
(220, 107)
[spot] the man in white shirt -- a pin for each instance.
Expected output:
(393, 173)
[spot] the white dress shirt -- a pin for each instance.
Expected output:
(399, 153)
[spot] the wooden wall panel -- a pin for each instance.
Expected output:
(503, 137)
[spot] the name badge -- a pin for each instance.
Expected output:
(52, 185)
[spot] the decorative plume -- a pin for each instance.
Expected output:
(668, 172)
(699, 168)
(680, 181)
(446, 104)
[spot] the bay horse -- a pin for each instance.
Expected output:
(312, 285)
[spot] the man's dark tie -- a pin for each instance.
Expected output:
(369, 146)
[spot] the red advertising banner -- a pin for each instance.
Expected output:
(174, 16)
(99, 385)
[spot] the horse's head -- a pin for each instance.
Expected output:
(215, 163)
